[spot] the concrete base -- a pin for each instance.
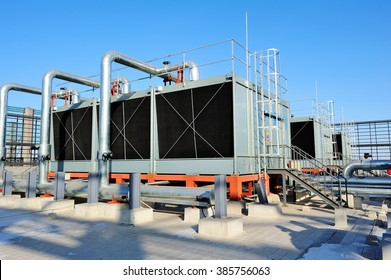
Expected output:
(114, 212)
(385, 205)
(121, 213)
(273, 197)
(92, 211)
(305, 208)
(8, 200)
(264, 210)
(341, 219)
(355, 202)
(193, 215)
(235, 208)
(225, 227)
(386, 245)
(45, 204)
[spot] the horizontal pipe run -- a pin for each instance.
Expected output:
(367, 165)
(120, 191)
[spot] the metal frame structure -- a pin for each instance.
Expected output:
(369, 138)
(22, 136)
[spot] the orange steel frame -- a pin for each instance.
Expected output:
(235, 181)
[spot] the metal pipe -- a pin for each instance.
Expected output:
(104, 153)
(63, 93)
(365, 165)
(44, 148)
(120, 191)
(4, 90)
(125, 82)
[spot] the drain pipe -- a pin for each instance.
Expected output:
(44, 148)
(3, 113)
(367, 165)
(108, 58)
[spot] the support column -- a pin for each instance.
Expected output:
(221, 196)
(59, 186)
(31, 183)
(7, 183)
(235, 188)
(134, 191)
(93, 191)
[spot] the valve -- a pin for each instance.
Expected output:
(107, 156)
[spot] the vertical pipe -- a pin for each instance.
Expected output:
(4, 90)
(152, 132)
(44, 148)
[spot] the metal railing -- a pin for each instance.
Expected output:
(321, 173)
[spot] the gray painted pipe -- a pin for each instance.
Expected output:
(4, 90)
(44, 148)
(66, 92)
(80, 189)
(104, 153)
(125, 82)
(365, 165)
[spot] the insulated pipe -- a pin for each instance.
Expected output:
(67, 92)
(125, 82)
(120, 191)
(44, 148)
(104, 153)
(365, 165)
(3, 113)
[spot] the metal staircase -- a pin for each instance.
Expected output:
(309, 184)
(302, 160)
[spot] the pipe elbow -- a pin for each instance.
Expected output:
(194, 70)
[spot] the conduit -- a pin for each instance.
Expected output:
(4, 90)
(44, 148)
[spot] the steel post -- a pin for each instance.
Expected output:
(31, 182)
(134, 190)
(59, 186)
(93, 188)
(7, 183)
(221, 196)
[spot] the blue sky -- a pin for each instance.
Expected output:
(343, 46)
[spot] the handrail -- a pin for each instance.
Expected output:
(303, 155)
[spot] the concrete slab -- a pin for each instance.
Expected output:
(90, 210)
(44, 204)
(224, 227)
(193, 215)
(8, 200)
(264, 210)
